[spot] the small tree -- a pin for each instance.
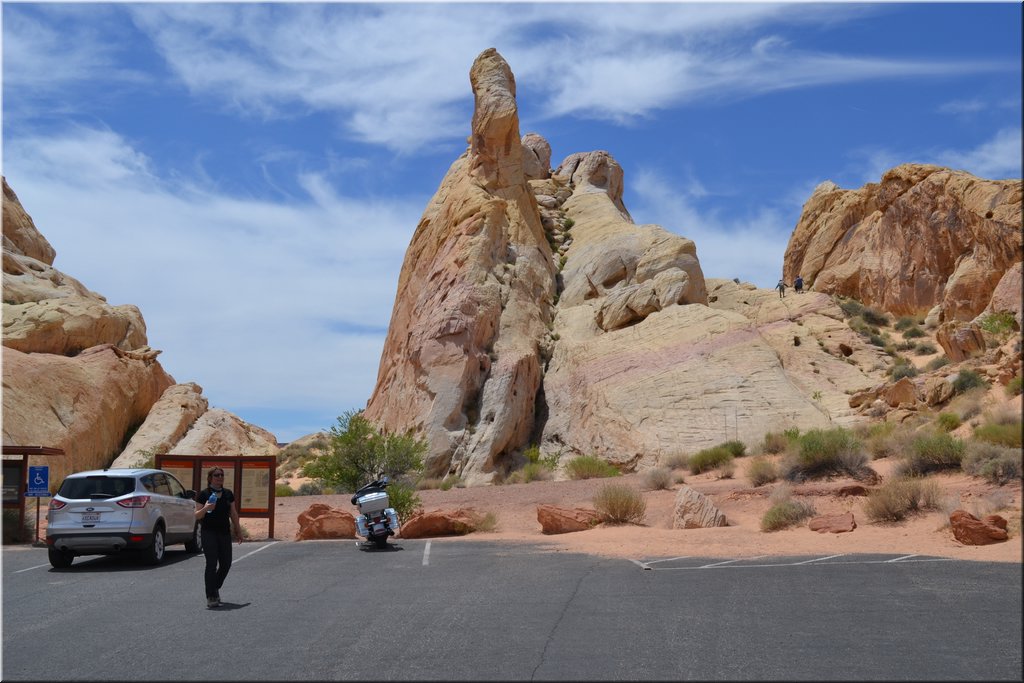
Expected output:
(358, 453)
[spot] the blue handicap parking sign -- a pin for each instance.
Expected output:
(38, 481)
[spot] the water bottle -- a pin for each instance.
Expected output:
(212, 499)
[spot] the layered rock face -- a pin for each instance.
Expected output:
(923, 238)
(531, 309)
(78, 373)
(461, 362)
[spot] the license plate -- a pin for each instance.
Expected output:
(90, 517)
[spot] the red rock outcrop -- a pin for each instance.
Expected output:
(461, 363)
(970, 530)
(960, 341)
(321, 521)
(923, 237)
(559, 520)
(458, 522)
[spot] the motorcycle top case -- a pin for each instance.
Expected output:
(372, 502)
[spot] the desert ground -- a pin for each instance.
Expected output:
(514, 507)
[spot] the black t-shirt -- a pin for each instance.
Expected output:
(219, 518)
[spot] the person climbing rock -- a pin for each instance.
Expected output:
(798, 285)
(782, 288)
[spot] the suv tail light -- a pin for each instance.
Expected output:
(57, 504)
(134, 502)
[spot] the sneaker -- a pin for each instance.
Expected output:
(213, 602)
(217, 596)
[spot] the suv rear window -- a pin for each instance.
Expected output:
(97, 487)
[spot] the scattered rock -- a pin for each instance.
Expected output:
(557, 520)
(694, 510)
(833, 524)
(970, 530)
(458, 522)
(960, 341)
(321, 521)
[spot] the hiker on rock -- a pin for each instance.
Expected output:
(798, 285)
(782, 288)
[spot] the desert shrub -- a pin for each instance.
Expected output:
(568, 223)
(761, 471)
(589, 467)
(968, 404)
(1014, 387)
(905, 322)
(619, 504)
(876, 340)
(931, 453)
(850, 307)
(925, 349)
(404, 499)
(1009, 435)
(11, 532)
(675, 461)
(999, 325)
(902, 368)
(485, 522)
(826, 452)
(774, 442)
(897, 498)
(784, 511)
(727, 469)
(913, 333)
(708, 459)
(947, 422)
(874, 317)
(878, 439)
(737, 448)
(658, 478)
(793, 434)
(283, 491)
(996, 464)
(967, 380)
(310, 488)
(936, 363)
(905, 346)
(531, 471)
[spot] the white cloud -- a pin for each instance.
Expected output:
(749, 248)
(999, 157)
(265, 304)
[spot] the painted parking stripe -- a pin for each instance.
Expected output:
(426, 553)
(897, 559)
(38, 566)
(820, 559)
(719, 564)
(250, 554)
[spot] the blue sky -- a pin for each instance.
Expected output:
(250, 175)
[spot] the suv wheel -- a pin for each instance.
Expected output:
(60, 559)
(196, 544)
(154, 554)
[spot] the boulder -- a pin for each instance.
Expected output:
(970, 530)
(694, 510)
(457, 522)
(833, 524)
(901, 392)
(536, 157)
(179, 407)
(558, 520)
(960, 341)
(321, 521)
(1006, 297)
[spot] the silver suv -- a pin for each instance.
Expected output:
(101, 512)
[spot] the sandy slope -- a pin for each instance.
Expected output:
(514, 506)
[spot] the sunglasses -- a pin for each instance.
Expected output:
(221, 474)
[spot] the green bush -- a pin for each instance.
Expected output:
(531, 471)
(967, 380)
(897, 498)
(905, 322)
(1000, 324)
(1014, 388)
(283, 491)
(925, 349)
(310, 488)
(568, 223)
(793, 434)
(404, 499)
(709, 458)
(785, 512)
(590, 467)
(737, 448)
(620, 504)
(936, 363)
(761, 471)
(823, 453)
(931, 453)
(675, 461)
(359, 453)
(913, 333)
(948, 421)
(1009, 435)
(996, 464)
(902, 368)
(874, 317)
(850, 307)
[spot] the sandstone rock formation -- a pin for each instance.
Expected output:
(457, 522)
(970, 530)
(694, 510)
(531, 309)
(320, 521)
(924, 237)
(78, 373)
(833, 524)
(559, 520)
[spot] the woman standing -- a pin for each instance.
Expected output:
(217, 514)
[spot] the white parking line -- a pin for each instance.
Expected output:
(819, 559)
(642, 565)
(255, 551)
(719, 564)
(669, 559)
(426, 553)
(897, 559)
(38, 566)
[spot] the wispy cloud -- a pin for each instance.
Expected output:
(276, 302)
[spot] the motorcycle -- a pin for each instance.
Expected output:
(376, 519)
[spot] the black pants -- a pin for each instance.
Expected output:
(217, 549)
